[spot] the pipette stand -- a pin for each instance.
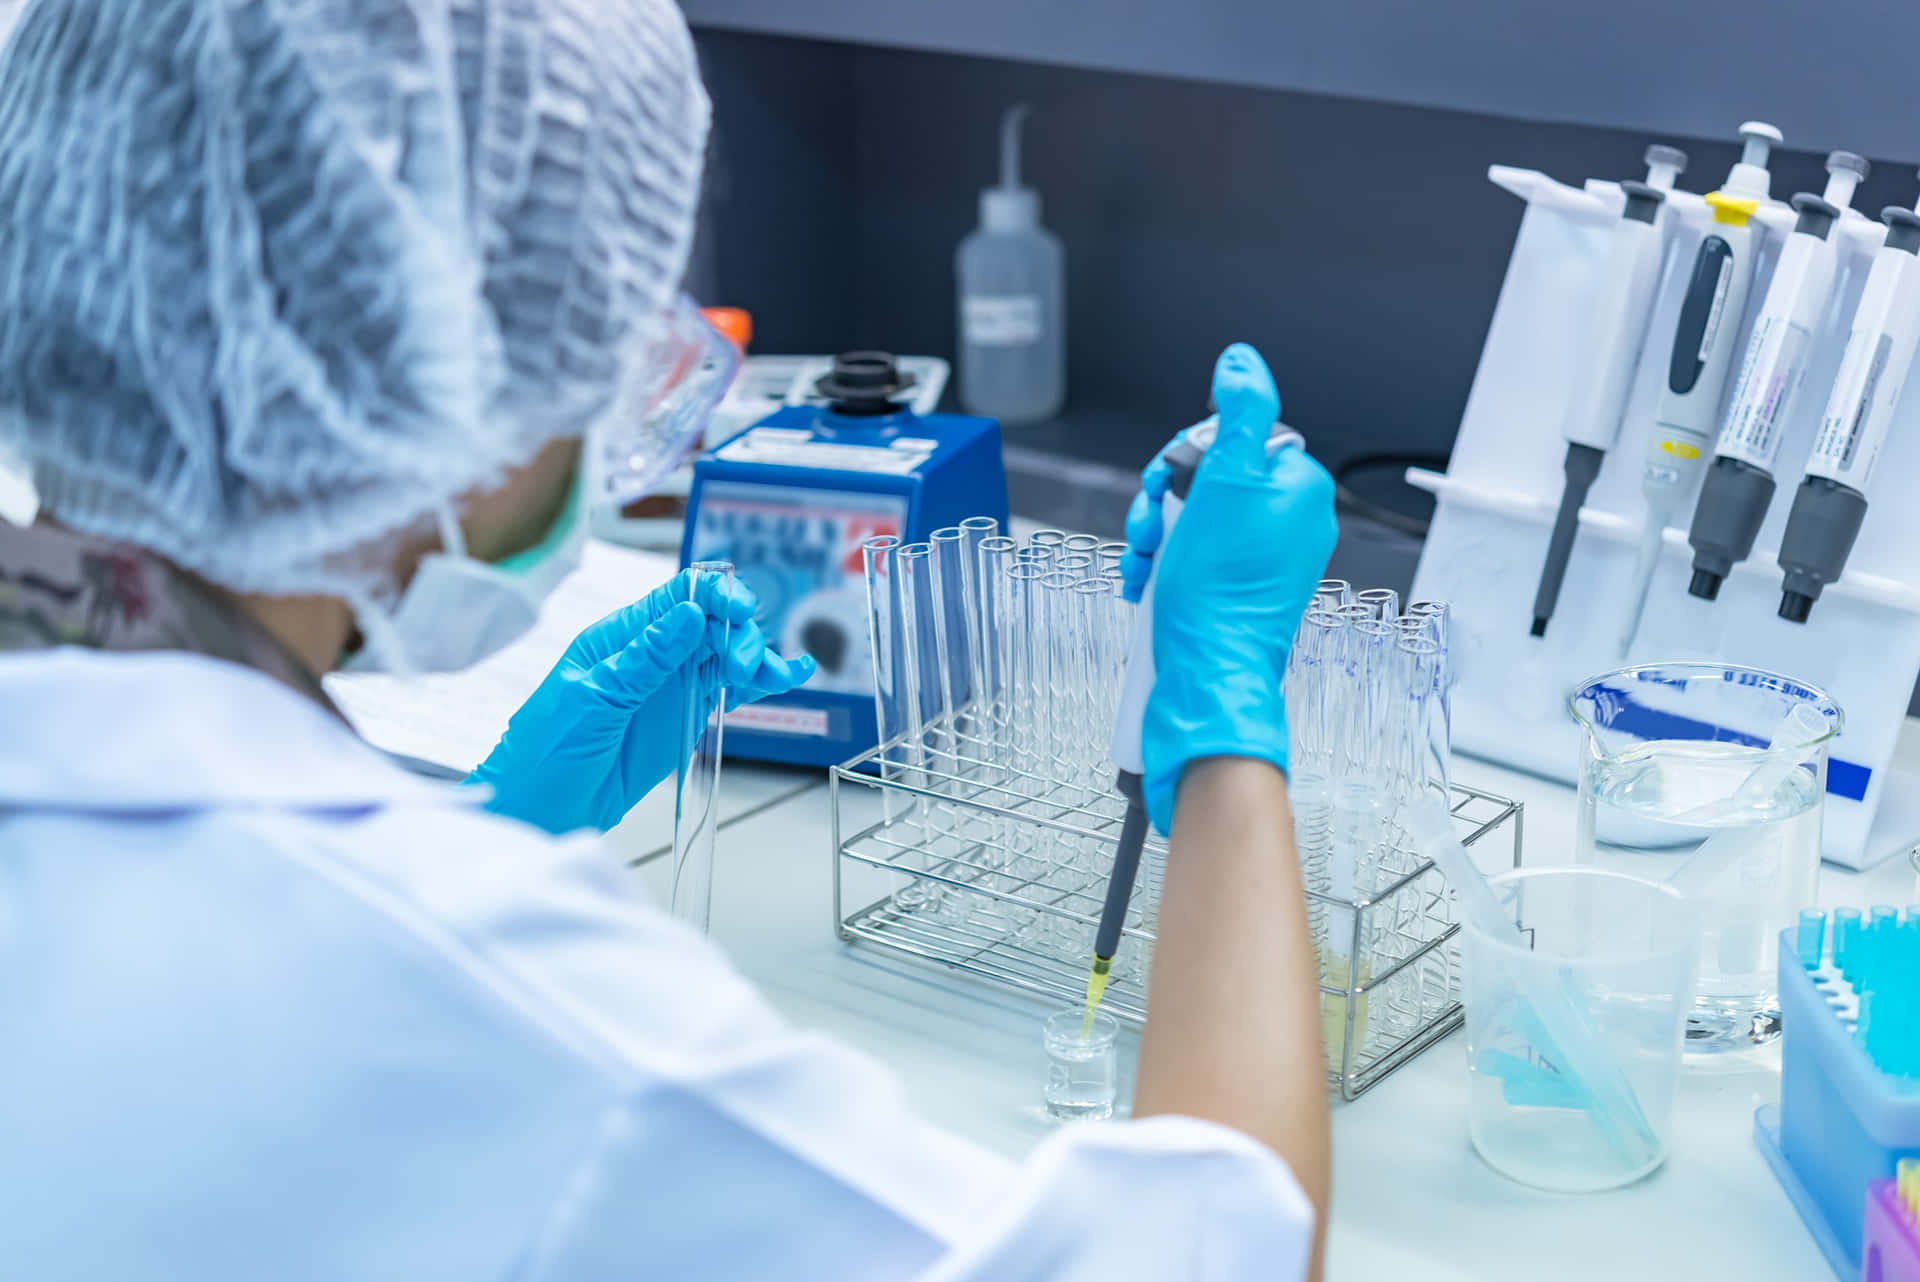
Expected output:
(1496, 503)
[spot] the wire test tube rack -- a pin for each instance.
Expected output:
(980, 832)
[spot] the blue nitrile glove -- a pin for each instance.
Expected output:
(1233, 581)
(604, 727)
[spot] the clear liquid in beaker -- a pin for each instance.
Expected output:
(1646, 811)
(1082, 1068)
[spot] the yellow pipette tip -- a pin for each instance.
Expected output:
(1096, 989)
(1907, 1184)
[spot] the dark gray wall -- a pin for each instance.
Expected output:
(1358, 244)
(1835, 74)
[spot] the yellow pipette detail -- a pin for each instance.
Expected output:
(1096, 989)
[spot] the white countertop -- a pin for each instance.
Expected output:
(1410, 1198)
(1411, 1201)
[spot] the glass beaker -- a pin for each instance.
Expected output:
(1603, 962)
(1082, 1065)
(1712, 778)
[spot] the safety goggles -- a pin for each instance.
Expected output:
(677, 371)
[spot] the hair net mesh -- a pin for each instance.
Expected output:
(279, 278)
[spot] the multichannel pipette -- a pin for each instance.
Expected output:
(1627, 281)
(1739, 486)
(1182, 459)
(1702, 355)
(1832, 500)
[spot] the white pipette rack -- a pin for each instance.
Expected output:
(1496, 505)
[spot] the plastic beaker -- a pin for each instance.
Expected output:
(1617, 954)
(1712, 778)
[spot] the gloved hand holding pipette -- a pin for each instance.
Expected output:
(1232, 582)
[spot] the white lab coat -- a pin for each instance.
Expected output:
(272, 1008)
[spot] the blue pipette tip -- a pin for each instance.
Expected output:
(1810, 940)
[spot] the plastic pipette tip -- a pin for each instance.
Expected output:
(1096, 989)
(1539, 628)
(1705, 584)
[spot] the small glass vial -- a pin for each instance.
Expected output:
(1081, 1062)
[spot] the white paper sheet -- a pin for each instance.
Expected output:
(453, 720)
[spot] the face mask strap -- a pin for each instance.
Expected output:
(452, 541)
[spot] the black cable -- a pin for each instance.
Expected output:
(1345, 496)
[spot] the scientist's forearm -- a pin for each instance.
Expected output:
(1233, 1019)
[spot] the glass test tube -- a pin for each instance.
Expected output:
(992, 558)
(1065, 685)
(696, 792)
(951, 633)
(1385, 602)
(1333, 593)
(976, 530)
(1081, 543)
(883, 638)
(1026, 670)
(919, 668)
(1311, 716)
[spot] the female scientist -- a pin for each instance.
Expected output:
(312, 318)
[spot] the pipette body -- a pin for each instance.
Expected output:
(1701, 357)
(1627, 280)
(1182, 460)
(1739, 486)
(1831, 502)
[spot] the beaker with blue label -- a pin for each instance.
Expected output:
(1712, 778)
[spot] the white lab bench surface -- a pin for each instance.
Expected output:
(1411, 1200)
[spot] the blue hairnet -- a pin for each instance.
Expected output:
(278, 278)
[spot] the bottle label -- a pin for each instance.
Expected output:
(1776, 359)
(1003, 320)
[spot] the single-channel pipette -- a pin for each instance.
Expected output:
(1627, 280)
(1702, 355)
(1739, 486)
(1182, 460)
(1832, 499)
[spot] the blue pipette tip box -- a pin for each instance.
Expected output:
(1841, 1122)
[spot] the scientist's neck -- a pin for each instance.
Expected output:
(313, 629)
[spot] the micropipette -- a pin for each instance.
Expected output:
(1832, 499)
(1739, 486)
(1182, 459)
(1627, 281)
(1702, 355)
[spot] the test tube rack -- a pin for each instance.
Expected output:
(945, 853)
(1841, 1122)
